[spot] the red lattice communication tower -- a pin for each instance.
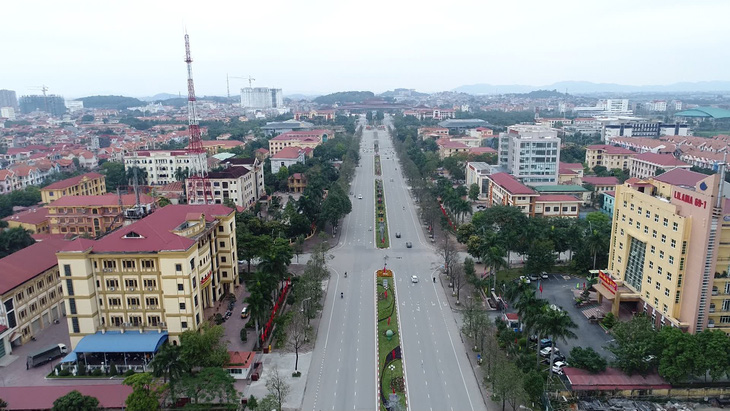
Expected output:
(200, 190)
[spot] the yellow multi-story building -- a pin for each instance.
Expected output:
(609, 156)
(30, 291)
(300, 139)
(93, 215)
(89, 184)
(670, 250)
(157, 274)
(34, 219)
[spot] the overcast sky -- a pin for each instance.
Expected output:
(136, 48)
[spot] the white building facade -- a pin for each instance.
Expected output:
(261, 98)
(530, 153)
(160, 165)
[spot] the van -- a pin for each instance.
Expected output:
(244, 312)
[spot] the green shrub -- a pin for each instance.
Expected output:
(609, 321)
(218, 319)
(587, 359)
(129, 372)
(113, 370)
(97, 372)
(244, 334)
(81, 371)
(65, 372)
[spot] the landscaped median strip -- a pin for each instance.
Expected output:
(381, 220)
(391, 381)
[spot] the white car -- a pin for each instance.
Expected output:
(558, 367)
(414, 279)
(525, 279)
(359, 196)
(545, 352)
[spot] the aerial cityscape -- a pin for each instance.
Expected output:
(327, 206)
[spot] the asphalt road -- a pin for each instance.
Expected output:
(342, 374)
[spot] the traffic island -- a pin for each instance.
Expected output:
(391, 380)
(381, 220)
(377, 165)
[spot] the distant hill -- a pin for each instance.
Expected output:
(299, 96)
(345, 97)
(159, 97)
(398, 91)
(582, 87)
(110, 102)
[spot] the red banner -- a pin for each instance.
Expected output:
(607, 282)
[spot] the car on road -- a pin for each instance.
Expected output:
(397, 235)
(481, 207)
(359, 196)
(414, 279)
(546, 351)
(558, 367)
(409, 244)
(525, 279)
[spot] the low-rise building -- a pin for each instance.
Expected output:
(576, 191)
(256, 168)
(504, 189)
(477, 173)
(601, 184)
(236, 184)
(297, 183)
(34, 219)
(89, 184)
(647, 165)
(608, 156)
(240, 364)
(286, 157)
(449, 147)
(556, 205)
(299, 139)
(432, 132)
(609, 199)
(94, 215)
(215, 146)
(30, 290)
(158, 273)
(570, 173)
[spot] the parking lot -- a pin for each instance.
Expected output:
(557, 289)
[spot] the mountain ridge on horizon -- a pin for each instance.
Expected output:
(581, 87)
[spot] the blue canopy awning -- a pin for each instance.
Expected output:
(118, 342)
(70, 357)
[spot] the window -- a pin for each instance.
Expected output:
(656, 303)
(150, 283)
(133, 301)
(129, 283)
(184, 324)
(653, 233)
(661, 254)
(220, 228)
(673, 243)
(196, 300)
(115, 302)
(648, 214)
(659, 270)
(666, 222)
(664, 308)
(669, 276)
(153, 320)
(180, 287)
(223, 259)
(638, 224)
(182, 306)
(192, 263)
(648, 279)
(151, 301)
(631, 221)
(112, 283)
(653, 249)
(651, 264)
(671, 260)
(75, 325)
(679, 280)
(622, 231)
(128, 264)
(675, 226)
(109, 264)
(197, 318)
(195, 282)
(676, 297)
(178, 267)
(658, 286)
(656, 218)
(148, 264)
(725, 319)
(632, 206)
(638, 211)
(646, 229)
(222, 243)
(664, 238)
(623, 217)
(67, 270)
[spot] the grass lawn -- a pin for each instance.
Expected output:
(388, 308)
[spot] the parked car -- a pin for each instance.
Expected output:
(481, 207)
(534, 277)
(409, 244)
(546, 351)
(525, 279)
(545, 342)
(244, 312)
(544, 275)
(558, 367)
(414, 279)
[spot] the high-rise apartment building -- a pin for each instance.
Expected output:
(530, 153)
(158, 274)
(670, 250)
(261, 98)
(51, 104)
(8, 99)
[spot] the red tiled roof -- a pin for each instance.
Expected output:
(482, 150)
(222, 143)
(33, 215)
(287, 152)
(610, 193)
(680, 177)
(612, 379)
(608, 149)
(557, 197)
(600, 181)
(510, 184)
(27, 398)
(660, 159)
(108, 199)
(303, 134)
(571, 166)
(155, 231)
(71, 181)
(240, 359)
(27, 263)
(174, 186)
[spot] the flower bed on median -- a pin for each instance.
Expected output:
(377, 165)
(390, 361)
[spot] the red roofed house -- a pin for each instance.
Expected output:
(601, 184)
(30, 290)
(557, 205)
(504, 189)
(34, 219)
(449, 147)
(7, 181)
(286, 157)
(261, 154)
(300, 139)
(608, 156)
(432, 132)
(92, 215)
(83, 185)
(570, 173)
(110, 396)
(645, 165)
(157, 274)
(614, 380)
(240, 364)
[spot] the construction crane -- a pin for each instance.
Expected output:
(249, 79)
(200, 189)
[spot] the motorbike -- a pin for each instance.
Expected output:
(342, 295)
(345, 274)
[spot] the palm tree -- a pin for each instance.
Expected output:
(557, 324)
(493, 257)
(167, 364)
(260, 299)
(141, 175)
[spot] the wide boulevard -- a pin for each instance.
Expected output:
(343, 372)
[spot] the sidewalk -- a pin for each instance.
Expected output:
(285, 363)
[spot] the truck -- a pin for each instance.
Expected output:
(46, 355)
